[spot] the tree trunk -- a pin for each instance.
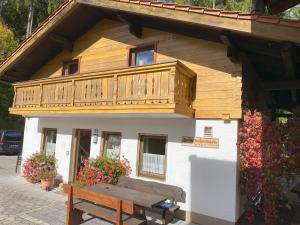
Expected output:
(258, 6)
(29, 20)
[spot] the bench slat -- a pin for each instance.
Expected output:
(106, 213)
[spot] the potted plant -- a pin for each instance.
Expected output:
(29, 169)
(47, 171)
(102, 170)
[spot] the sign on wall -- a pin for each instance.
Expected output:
(200, 142)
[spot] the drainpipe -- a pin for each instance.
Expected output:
(258, 6)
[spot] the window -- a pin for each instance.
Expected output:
(208, 131)
(152, 157)
(49, 142)
(71, 67)
(142, 56)
(111, 144)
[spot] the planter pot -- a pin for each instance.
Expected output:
(47, 184)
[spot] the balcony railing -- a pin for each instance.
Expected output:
(158, 88)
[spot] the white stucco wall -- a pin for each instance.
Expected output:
(208, 176)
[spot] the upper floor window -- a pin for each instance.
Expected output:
(142, 55)
(71, 67)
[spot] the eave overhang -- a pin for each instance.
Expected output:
(75, 17)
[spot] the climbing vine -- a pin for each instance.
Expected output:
(269, 157)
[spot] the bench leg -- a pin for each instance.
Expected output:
(74, 217)
(140, 212)
(167, 217)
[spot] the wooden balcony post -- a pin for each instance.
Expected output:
(172, 84)
(73, 93)
(115, 89)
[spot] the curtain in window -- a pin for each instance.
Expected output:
(50, 142)
(50, 148)
(153, 163)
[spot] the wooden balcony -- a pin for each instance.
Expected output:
(158, 88)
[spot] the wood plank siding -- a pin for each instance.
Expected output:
(106, 47)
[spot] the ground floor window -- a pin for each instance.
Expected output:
(152, 155)
(49, 141)
(111, 144)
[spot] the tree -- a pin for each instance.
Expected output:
(23, 16)
(7, 43)
(233, 5)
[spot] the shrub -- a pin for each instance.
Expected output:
(269, 160)
(46, 167)
(39, 167)
(29, 169)
(103, 170)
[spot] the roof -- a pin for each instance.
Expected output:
(266, 27)
(215, 12)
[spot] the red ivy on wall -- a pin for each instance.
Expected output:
(269, 156)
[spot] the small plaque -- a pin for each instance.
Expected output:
(200, 142)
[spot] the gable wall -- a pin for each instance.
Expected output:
(106, 47)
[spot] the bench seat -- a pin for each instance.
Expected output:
(107, 213)
(173, 193)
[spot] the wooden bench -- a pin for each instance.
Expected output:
(105, 207)
(173, 193)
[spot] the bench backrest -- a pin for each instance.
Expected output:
(173, 193)
(99, 199)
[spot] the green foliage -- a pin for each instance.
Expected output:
(239, 5)
(7, 41)
(102, 170)
(233, 5)
(15, 13)
(293, 13)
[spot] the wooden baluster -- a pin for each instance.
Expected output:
(115, 87)
(41, 95)
(73, 93)
(15, 96)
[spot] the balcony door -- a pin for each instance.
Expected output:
(81, 150)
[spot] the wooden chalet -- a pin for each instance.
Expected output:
(162, 84)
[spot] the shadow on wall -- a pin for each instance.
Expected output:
(213, 191)
(166, 50)
(175, 128)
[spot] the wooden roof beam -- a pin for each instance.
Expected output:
(257, 84)
(232, 50)
(135, 28)
(287, 59)
(68, 44)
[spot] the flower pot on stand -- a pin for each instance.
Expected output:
(47, 184)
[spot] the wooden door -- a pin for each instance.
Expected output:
(81, 150)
